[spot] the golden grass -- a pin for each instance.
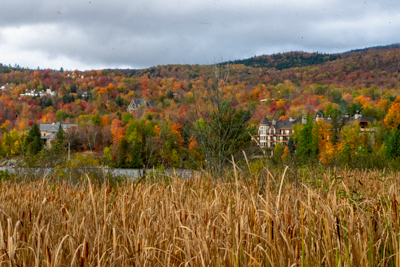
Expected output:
(351, 220)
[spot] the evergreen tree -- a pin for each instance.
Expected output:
(170, 94)
(49, 103)
(119, 101)
(314, 142)
(65, 99)
(392, 143)
(186, 133)
(58, 145)
(2, 152)
(32, 142)
(60, 135)
(306, 139)
(335, 127)
(73, 88)
(291, 146)
(36, 146)
(122, 153)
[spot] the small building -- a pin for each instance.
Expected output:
(48, 131)
(137, 103)
(83, 94)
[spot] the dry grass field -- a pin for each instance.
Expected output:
(343, 218)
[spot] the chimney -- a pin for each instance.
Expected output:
(357, 115)
(291, 119)
(304, 119)
(273, 122)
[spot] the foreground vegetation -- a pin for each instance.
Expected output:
(290, 217)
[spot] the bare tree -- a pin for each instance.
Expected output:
(91, 136)
(223, 131)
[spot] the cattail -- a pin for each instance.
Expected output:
(394, 206)
(48, 254)
(86, 250)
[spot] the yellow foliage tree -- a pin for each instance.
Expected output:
(280, 102)
(327, 151)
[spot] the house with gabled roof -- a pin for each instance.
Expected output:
(271, 133)
(136, 103)
(48, 131)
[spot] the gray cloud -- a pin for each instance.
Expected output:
(137, 34)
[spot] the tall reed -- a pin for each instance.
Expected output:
(338, 218)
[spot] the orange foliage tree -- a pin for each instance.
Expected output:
(117, 132)
(392, 119)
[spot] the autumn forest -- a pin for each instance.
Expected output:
(178, 129)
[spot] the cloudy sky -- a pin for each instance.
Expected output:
(94, 34)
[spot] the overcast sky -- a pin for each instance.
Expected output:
(96, 34)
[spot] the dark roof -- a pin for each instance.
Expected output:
(362, 118)
(265, 121)
(53, 127)
(349, 120)
(135, 103)
(286, 124)
(139, 102)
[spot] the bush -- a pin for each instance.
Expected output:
(81, 166)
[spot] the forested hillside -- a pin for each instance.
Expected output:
(287, 60)
(292, 84)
